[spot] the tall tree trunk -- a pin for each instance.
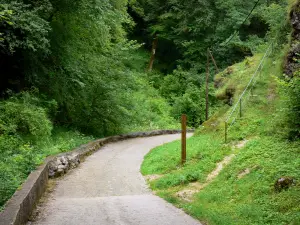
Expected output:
(214, 61)
(153, 51)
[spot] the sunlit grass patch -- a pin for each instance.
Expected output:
(202, 154)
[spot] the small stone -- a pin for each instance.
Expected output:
(51, 173)
(52, 166)
(64, 160)
(74, 160)
(283, 183)
(61, 169)
(58, 161)
(59, 172)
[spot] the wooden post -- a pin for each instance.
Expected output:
(183, 139)
(207, 77)
(153, 52)
(241, 108)
(226, 130)
(214, 61)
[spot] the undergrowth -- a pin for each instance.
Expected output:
(19, 156)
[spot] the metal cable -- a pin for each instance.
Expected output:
(250, 82)
(232, 36)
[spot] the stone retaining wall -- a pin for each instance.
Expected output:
(20, 206)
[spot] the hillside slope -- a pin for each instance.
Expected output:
(237, 182)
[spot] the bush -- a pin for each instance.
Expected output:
(295, 108)
(24, 27)
(145, 108)
(172, 87)
(291, 109)
(18, 116)
(19, 156)
(192, 103)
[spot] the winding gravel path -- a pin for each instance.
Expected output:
(108, 189)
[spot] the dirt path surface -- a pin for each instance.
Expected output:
(108, 189)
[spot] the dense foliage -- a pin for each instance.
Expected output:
(68, 64)
(232, 30)
(192, 27)
(81, 65)
(77, 54)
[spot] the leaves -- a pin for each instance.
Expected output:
(22, 28)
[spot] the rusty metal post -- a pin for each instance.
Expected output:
(183, 139)
(226, 130)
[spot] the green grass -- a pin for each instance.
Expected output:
(268, 155)
(203, 153)
(238, 76)
(252, 199)
(19, 157)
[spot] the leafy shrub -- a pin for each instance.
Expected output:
(295, 108)
(18, 116)
(192, 103)
(172, 87)
(145, 108)
(291, 109)
(23, 27)
(19, 157)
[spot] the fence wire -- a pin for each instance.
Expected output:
(237, 110)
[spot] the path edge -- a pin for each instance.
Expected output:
(19, 207)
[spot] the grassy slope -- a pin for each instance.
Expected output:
(268, 156)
